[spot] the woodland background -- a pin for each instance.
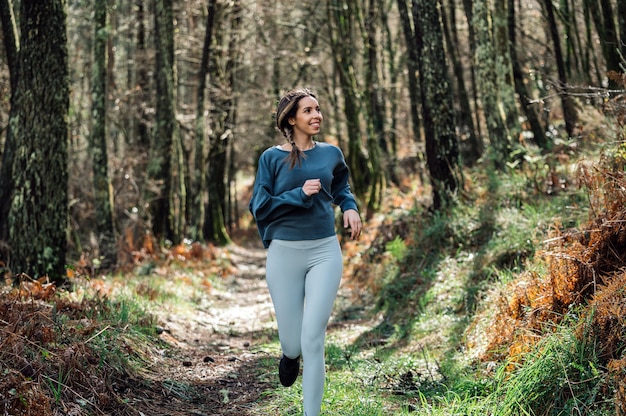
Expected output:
(140, 119)
(485, 140)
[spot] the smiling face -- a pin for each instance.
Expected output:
(308, 119)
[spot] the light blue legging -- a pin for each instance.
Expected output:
(297, 271)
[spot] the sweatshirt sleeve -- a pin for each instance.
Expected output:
(342, 195)
(265, 205)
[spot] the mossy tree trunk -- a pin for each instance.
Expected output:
(468, 9)
(504, 68)
(159, 168)
(485, 61)
(98, 144)
(38, 217)
(473, 147)
(442, 153)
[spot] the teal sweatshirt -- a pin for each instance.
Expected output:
(280, 207)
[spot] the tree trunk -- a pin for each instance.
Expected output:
(413, 74)
(570, 114)
(473, 146)
(504, 68)
(490, 96)
(469, 15)
(442, 153)
(610, 42)
(621, 23)
(143, 136)
(214, 222)
(7, 182)
(198, 179)
(525, 99)
(392, 94)
(159, 168)
(10, 39)
(103, 200)
(376, 143)
(232, 71)
(38, 218)
(342, 21)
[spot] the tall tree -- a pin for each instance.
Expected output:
(523, 94)
(229, 177)
(98, 143)
(413, 69)
(11, 46)
(342, 16)
(220, 73)
(142, 77)
(38, 217)
(570, 114)
(485, 60)
(621, 23)
(604, 19)
(377, 147)
(504, 68)
(468, 8)
(394, 74)
(160, 164)
(198, 179)
(442, 150)
(473, 146)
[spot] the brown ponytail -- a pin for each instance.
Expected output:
(286, 109)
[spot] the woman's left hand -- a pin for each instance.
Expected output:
(352, 221)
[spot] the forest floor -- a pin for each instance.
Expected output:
(212, 348)
(84, 352)
(212, 367)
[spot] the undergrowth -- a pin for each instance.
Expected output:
(69, 350)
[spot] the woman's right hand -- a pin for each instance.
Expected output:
(312, 187)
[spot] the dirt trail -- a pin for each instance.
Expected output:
(214, 349)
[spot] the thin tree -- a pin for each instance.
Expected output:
(143, 136)
(198, 179)
(604, 19)
(570, 114)
(485, 61)
(38, 217)
(442, 151)
(413, 70)
(394, 71)
(159, 168)
(377, 148)
(523, 94)
(232, 71)
(342, 17)
(504, 68)
(11, 47)
(621, 23)
(473, 146)
(468, 8)
(98, 143)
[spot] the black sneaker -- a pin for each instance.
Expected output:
(288, 370)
